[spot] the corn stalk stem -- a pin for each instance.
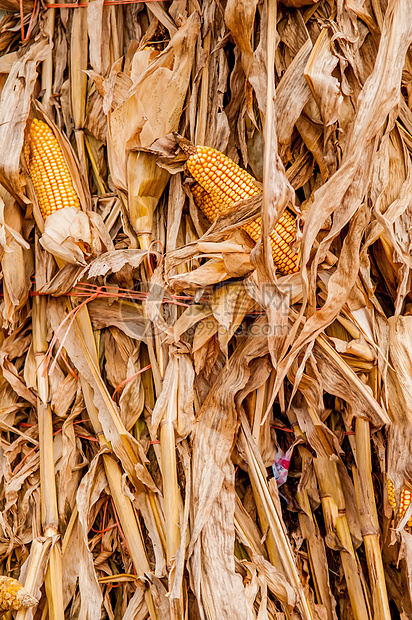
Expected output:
(247, 530)
(53, 584)
(49, 510)
(123, 505)
(47, 66)
(49, 513)
(113, 472)
(78, 81)
(171, 491)
(270, 123)
(333, 505)
(316, 554)
(377, 577)
(92, 158)
(272, 548)
(38, 550)
(369, 519)
(81, 153)
(274, 522)
(204, 95)
(78, 64)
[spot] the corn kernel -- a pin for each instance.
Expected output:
(405, 500)
(13, 596)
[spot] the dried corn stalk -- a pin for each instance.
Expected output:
(181, 434)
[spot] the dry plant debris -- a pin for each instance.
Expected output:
(186, 431)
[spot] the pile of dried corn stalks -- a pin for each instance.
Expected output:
(184, 433)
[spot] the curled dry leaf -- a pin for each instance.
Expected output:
(114, 261)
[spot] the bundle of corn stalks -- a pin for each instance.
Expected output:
(206, 344)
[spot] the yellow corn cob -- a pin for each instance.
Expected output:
(204, 201)
(48, 170)
(221, 183)
(406, 498)
(13, 596)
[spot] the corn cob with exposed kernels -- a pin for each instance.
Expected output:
(221, 183)
(204, 201)
(13, 596)
(48, 170)
(406, 497)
